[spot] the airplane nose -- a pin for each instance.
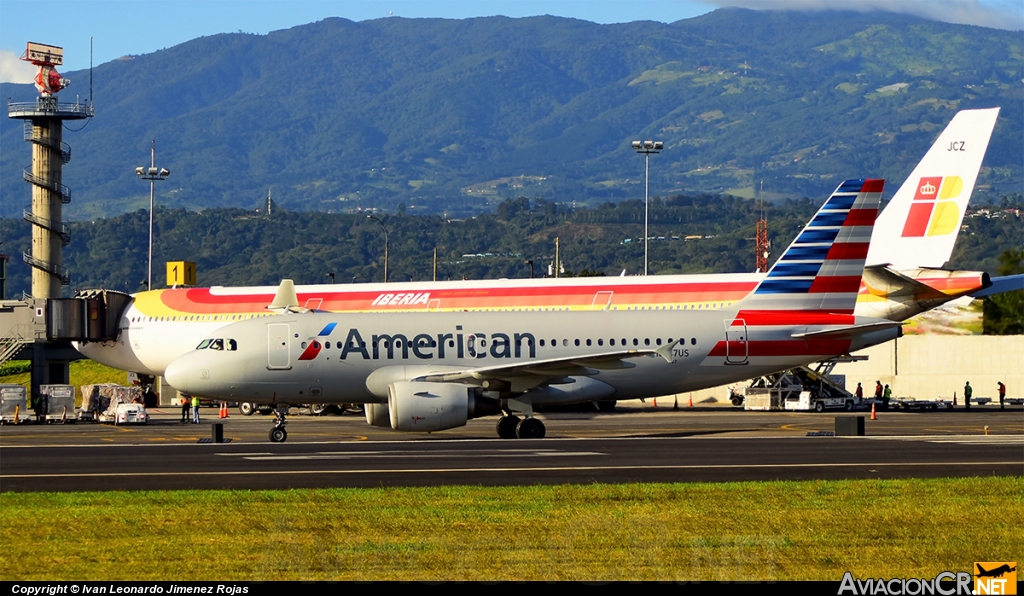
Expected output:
(177, 373)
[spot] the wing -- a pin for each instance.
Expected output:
(520, 377)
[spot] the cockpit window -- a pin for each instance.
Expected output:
(205, 344)
(232, 345)
(218, 344)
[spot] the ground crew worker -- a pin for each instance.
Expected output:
(1002, 395)
(967, 395)
(886, 395)
(184, 409)
(195, 409)
(860, 392)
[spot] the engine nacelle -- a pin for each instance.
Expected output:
(377, 415)
(417, 406)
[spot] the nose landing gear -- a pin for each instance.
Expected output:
(278, 434)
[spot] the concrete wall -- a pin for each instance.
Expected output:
(924, 367)
(934, 366)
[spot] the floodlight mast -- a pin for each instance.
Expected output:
(647, 148)
(152, 173)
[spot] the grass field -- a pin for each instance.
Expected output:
(732, 531)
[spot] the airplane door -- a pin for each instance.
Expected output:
(602, 300)
(736, 348)
(278, 346)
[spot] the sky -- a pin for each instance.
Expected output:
(121, 27)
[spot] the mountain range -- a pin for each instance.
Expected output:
(453, 116)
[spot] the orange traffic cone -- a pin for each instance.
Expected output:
(691, 400)
(223, 409)
(873, 415)
(655, 402)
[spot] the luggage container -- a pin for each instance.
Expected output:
(13, 404)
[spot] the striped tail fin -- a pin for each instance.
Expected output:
(821, 270)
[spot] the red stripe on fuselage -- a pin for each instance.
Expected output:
(794, 347)
(765, 318)
(203, 301)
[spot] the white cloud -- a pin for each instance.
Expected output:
(998, 14)
(13, 70)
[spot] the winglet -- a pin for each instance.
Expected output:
(665, 351)
(285, 300)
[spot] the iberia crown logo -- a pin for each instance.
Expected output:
(934, 211)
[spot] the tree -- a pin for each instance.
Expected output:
(1003, 314)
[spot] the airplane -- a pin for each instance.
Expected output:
(994, 572)
(426, 372)
(160, 325)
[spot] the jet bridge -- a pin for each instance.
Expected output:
(41, 330)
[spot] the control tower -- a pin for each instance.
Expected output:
(44, 121)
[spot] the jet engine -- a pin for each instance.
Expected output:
(377, 415)
(425, 407)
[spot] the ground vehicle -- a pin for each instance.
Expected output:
(131, 414)
(802, 390)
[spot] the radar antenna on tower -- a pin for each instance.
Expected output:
(43, 128)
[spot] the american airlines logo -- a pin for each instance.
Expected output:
(934, 211)
(424, 346)
(407, 299)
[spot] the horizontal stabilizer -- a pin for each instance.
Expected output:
(847, 332)
(1009, 283)
(883, 281)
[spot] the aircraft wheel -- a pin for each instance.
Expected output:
(507, 427)
(849, 406)
(245, 408)
(278, 435)
(530, 428)
(317, 409)
(819, 407)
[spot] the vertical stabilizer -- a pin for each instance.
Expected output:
(821, 270)
(919, 225)
(285, 299)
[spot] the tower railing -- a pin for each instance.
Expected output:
(32, 136)
(61, 189)
(56, 227)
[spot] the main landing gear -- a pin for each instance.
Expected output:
(512, 427)
(278, 434)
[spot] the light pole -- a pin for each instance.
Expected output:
(330, 275)
(647, 148)
(377, 219)
(152, 173)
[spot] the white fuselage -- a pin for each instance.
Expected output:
(277, 361)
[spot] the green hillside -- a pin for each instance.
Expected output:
(453, 116)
